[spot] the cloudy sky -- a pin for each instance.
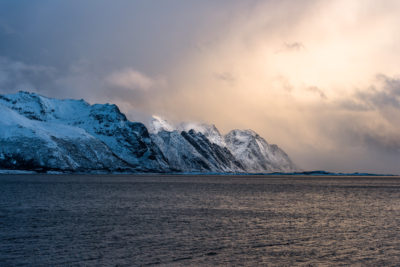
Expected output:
(319, 78)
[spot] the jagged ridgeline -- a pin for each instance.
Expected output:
(44, 134)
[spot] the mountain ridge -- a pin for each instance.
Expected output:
(66, 135)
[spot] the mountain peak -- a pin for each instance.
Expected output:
(255, 153)
(38, 132)
(158, 124)
(208, 130)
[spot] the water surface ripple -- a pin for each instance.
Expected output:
(149, 220)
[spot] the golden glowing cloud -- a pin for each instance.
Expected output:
(285, 70)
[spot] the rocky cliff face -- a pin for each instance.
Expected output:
(40, 133)
(73, 128)
(255, 154)
(200, 147)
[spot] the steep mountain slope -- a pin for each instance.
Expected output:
(34, 145)
(105, 123)
(238, 151)
(193, 147)
(209, 131)
(219, 158)
(255, 154)
(181, 155)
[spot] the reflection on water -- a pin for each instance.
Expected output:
(177, 220)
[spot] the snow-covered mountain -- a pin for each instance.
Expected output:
(255, 154)
(40, 133)
(61, 127)
(238, 151)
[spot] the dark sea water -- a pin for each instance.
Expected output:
(199, 220)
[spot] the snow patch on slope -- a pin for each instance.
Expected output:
(158, 124)
(256, 154)
(208, 130)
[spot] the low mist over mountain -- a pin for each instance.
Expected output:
(44, 134)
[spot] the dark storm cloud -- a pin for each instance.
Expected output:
(79, 44)
(375, 123)
(383, 142)
(385, 94)
(148, 34)
(373, 137)
(388, 95)
(16, 75)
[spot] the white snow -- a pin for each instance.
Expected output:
(209, 131)
(256, 154)
(158, 124)
(14, 124)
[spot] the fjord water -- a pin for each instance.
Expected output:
(52, 220)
